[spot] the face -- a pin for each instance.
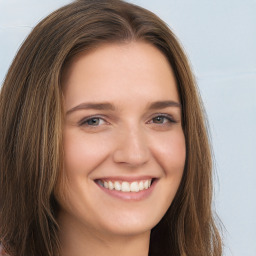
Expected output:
(124, 145)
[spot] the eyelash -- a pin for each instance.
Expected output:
(168, 117)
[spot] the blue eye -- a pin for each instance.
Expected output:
(93, 121)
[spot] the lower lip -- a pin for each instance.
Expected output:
(130, 196)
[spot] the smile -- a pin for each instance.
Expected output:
(126, 186)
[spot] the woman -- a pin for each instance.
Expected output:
(104, 149)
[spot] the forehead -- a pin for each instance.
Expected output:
(120, 72)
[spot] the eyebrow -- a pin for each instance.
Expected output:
(108, 106)
(96, 106)
(164, 104)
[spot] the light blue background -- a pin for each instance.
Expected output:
(219, 37)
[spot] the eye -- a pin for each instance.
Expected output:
(162, 119)
(92, 121)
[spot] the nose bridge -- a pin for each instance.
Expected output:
(131, 146)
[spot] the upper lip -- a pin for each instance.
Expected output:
(127, 178)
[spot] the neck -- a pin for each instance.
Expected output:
(82, 241)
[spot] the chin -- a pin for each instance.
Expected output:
(130, 222)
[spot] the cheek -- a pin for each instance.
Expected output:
(169, 150)
(83, 153)
(171, 153)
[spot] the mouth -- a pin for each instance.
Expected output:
(125, 186)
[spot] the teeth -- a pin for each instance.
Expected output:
(106, 184)
(117, 186)
(135, 186)
(110, 185)
(141, 185)
(125, 186)
(146, 184)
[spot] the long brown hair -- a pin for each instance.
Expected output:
(31, 117)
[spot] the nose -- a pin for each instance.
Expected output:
(131, 147)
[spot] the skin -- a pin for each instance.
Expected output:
(133, 139)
